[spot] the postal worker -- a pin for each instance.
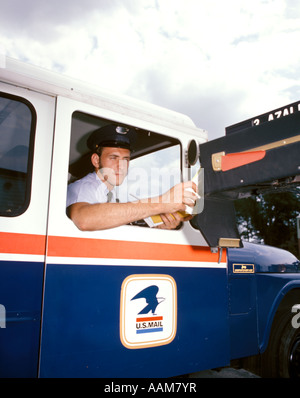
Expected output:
(91, 201)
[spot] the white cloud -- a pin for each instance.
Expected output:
(217, 61)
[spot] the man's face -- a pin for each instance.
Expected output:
(114, 163)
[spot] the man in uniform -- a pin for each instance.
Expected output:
(92, 202)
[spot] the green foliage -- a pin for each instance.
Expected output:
(270, 219)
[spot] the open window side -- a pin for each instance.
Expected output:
(155, 164)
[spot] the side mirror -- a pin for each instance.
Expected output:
(193, 153)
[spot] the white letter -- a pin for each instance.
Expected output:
(2, 316)
(151, 388)
(295, 318)
(285, 112)
(107, 388)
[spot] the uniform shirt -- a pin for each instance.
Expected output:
(89, 189)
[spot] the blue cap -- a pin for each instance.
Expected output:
(111, 135)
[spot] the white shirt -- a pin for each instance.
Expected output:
(89, 189)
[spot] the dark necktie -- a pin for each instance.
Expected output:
(109, 196)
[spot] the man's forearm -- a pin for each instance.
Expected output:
(92, 217)
(100, 216)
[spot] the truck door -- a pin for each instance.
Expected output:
(92, 324)
(26, 129)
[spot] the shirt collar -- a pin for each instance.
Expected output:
(104, 188)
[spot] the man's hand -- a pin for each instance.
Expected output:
(172, 221)
(181, 195)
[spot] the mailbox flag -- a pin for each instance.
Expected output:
(233, 160)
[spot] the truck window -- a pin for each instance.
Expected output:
(153, 174)
(17, 128)
(155, 164)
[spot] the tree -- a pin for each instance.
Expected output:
(270, 219)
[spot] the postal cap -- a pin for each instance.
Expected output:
(112, 135)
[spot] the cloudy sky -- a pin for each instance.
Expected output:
(218, 61)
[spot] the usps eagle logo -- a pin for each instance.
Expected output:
(148, 311)
(153, 323)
